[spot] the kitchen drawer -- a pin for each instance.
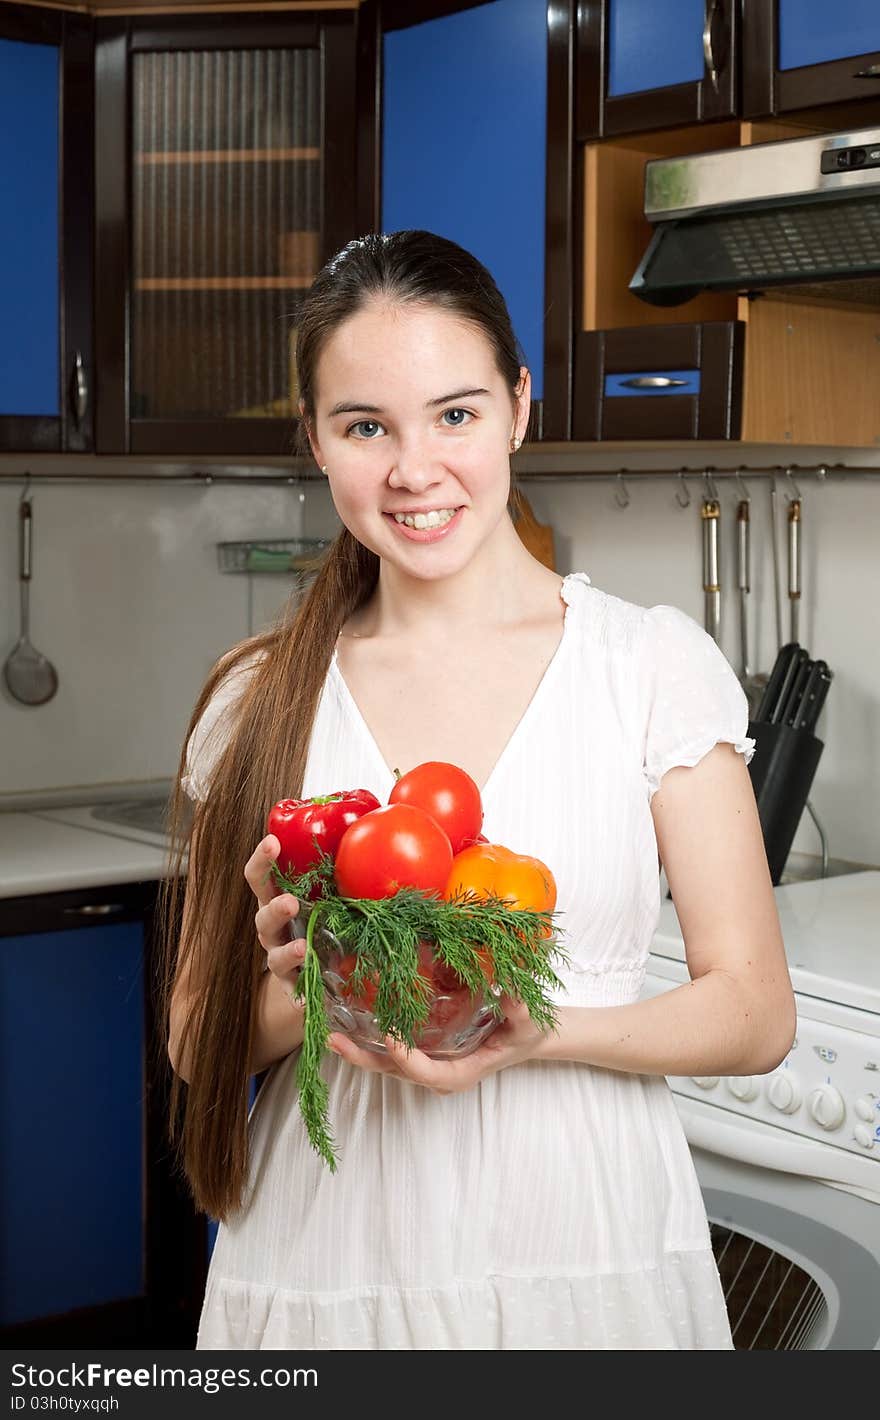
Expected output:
(659, 382)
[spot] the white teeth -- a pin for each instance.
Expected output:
(436, 518)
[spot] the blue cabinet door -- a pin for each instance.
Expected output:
(29, 249)
(72, 1113)
(464, 146)
(651, 45)
(648, 64)
(814, 32)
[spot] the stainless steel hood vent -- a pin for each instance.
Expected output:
(802, 212)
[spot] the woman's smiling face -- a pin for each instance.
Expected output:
(412, 414)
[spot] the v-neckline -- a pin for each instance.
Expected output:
(537, 696)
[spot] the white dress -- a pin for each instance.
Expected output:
(555, 1205)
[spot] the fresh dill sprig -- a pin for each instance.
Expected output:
(384, 934)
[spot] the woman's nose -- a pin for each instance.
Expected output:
(412, 466)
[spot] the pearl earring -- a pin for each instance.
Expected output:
(514, 445)
(323, 468)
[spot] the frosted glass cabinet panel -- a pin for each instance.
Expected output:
(227, 168)
(227, 155)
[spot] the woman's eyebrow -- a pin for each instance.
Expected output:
(349, 408)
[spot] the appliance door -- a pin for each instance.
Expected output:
(798, 1255)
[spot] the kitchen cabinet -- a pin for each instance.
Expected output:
(643, 65)
(229, 167)
(660, 382)
(769, 369)
(474, 169)
(46, 362)
(100, 1243)
(806, 54)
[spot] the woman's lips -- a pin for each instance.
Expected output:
(425, 534)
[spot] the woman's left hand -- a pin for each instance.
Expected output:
(514, 1039)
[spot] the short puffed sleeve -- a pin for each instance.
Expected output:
(692, 696)
(212, 730)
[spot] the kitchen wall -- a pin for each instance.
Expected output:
(128, 603)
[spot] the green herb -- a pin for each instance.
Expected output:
(384, 935)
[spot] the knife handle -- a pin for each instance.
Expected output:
(814, 698)
(798, 690)
(774, 682)
(791, 673)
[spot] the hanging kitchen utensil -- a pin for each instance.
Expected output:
(710, 514)
(774, 547)
(537, 537)
(753, 683)
(29, 676)
(794, 563)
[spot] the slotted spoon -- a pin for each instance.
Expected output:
(29, 676)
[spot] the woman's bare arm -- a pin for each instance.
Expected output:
(737, 1014)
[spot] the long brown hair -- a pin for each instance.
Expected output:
(264, 756)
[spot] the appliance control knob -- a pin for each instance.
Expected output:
(744, 1087)
(826, 1105)
(864, 1136)
(705, 1082)
(864, 1108)
(784, 1092)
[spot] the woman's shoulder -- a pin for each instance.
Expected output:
(610, 621)
(210, 732)
(630, 627)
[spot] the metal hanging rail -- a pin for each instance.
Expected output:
(821, 472)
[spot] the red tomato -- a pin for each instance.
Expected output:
(366, 997)
(393, 847)
(452, 1003)
(301, 824)
(445, 792)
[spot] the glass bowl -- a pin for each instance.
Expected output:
(458, 1023)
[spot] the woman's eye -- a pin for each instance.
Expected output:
(457, 417)
(368, 428)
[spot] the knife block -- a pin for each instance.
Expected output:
(782, 771)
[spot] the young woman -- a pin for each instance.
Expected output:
(539, 1193)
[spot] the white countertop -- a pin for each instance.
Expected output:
(41, 853)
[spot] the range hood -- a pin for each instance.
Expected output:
(802, 211)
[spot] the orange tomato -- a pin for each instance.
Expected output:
(490, 868)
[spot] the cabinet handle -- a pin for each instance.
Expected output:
(95, 909)
(872, 72)
(652, 382)
(708, 48)
(79, 389)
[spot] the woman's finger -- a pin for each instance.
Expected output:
(258, 872)
(286, 960)
(273, 921)
(341, 1045)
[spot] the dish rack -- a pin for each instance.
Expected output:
(300, 556)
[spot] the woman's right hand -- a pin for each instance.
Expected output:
(275, 912)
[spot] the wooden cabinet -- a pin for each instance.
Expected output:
(46, 364)
(643, 65)
(99, 1240)
(807, 54)
(226, 175)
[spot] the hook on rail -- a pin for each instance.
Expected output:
(621, 487)
(792, 485)
(682, 488)
(742, 486)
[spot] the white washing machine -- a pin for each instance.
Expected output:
(789, 1163)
